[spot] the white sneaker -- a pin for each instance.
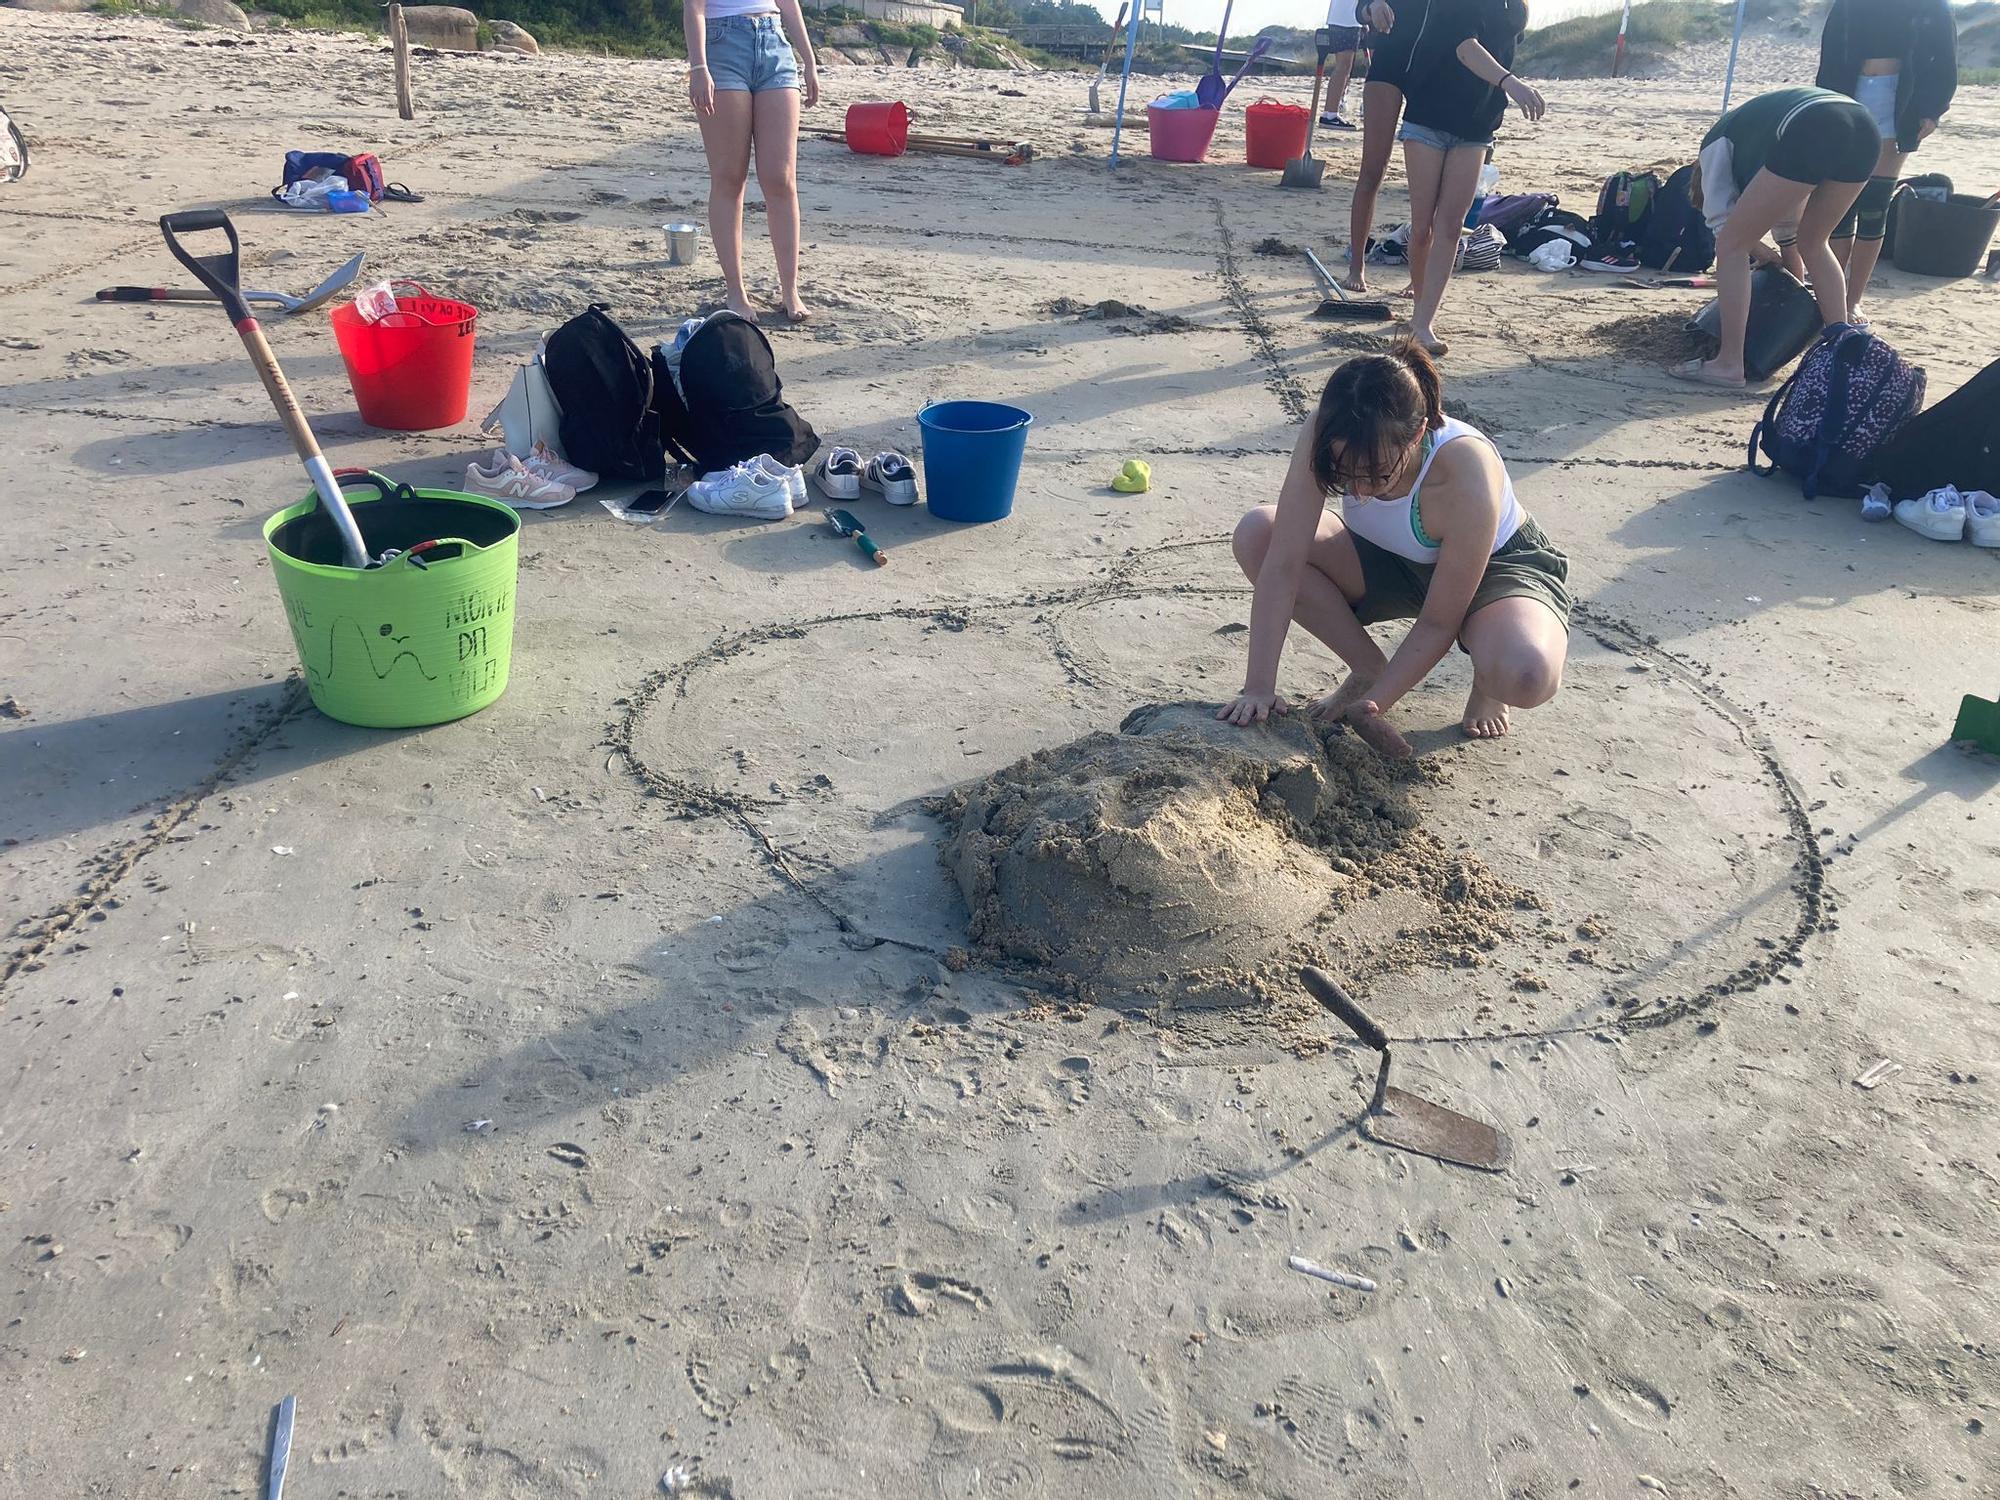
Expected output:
(794, 478)
(890, 475)
(511, 482)
(545, 463)
(745, 491)
(1940, 515)
(840, 474)
(1982, 519)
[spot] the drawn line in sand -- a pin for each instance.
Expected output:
(1806, 883)
(1263, 338)
(37, 935)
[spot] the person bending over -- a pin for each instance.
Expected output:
(1899, 60)
(749, 61)
(1428, 529)
(1793, 156)
(1460, 79)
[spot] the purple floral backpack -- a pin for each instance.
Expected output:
(1849, 396)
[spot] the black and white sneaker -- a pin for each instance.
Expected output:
(1621, 262)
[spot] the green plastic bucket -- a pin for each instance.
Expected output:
(425, 638)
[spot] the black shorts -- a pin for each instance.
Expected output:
(1527, 566)
(1827, 143)
(1341, 39)
(1389, 62)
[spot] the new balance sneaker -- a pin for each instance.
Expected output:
(1982, 519)
(512, 483)
(1620, 261)
(794, 478)
(1940, 515)
(889, 474)
(745, 491)
(840, 474)
(545, 463)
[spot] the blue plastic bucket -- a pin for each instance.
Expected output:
(972, 458)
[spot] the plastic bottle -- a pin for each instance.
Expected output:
(376, 302)
(1489, 184)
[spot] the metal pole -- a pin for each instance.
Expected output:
(1735, 41)
(1125, 79)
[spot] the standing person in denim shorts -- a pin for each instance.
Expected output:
(749, 63)
(1460, 79)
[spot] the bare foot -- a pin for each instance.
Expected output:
(1708, 372)
(1485, 718)
(1408, 291)
(1366, 720)
(742, 308)
(1332, 706)
(1429, 342)
(1354, 281)
(796, 310)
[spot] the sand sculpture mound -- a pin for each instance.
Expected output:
(1176, 858)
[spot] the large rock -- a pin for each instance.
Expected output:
(224, 13)
(443, 26)
(512, 37)
(51, 5)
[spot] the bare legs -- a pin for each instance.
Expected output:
(1767, 200)
(771, 120)
(1336, 88)
(1381, 108)
(1517, 646)
(1442, 185)
(1858, 256)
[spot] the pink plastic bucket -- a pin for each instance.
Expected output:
(1181, 134)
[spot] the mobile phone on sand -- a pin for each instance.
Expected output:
(651, 503)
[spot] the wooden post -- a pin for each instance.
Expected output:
(399, 39)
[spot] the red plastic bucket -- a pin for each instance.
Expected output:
(413, 370)
(1274, 133)
(878, 129)
(1181, 134)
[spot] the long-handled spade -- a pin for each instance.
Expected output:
(1403, 1120)
(1307, 170)
(219, 274)
(292, 306)
(1110, 51)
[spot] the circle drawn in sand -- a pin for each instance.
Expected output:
(1671, 859)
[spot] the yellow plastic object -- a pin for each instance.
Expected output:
(1135, 478)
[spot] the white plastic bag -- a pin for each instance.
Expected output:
(1556, 255)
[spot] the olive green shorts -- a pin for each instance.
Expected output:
(1529, 566)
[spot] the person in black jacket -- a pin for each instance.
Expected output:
(1460, 80)
(1898, 59)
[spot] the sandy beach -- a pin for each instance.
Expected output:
(606, 1087)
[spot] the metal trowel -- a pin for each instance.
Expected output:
(1404, 1120)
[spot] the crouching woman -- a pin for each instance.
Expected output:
(1428, 529)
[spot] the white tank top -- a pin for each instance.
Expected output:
(1397, 525)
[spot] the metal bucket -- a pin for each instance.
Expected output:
(682, 242)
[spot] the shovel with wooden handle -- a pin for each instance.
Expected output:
(1110, 51)
(219, 274)
(1307, 170)
(292, 306)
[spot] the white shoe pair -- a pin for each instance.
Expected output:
(1949, 515)
(758, 489)
(541, 481)
(843, 476)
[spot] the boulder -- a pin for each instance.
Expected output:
(512, 37)
(51, 5)
(223, 13)
(443, 26)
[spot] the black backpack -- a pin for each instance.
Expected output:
(1955, 442)
(605, 388)
(1677, 236)
(1550, 224)
(1624, 205)
(730, 404)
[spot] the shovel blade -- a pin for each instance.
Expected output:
(325, 291)
(1410, 1123)
(1303, 172)
(1978, 721)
